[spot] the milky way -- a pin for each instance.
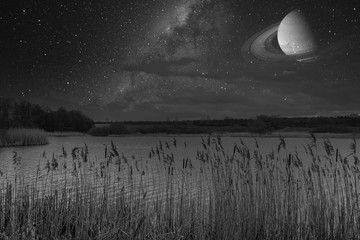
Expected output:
(158, 60)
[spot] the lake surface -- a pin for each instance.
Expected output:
(139, 147)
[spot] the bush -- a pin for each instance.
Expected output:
(99, 131)
(118, 129)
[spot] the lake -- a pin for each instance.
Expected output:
(139, 147)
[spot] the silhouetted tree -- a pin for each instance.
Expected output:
(25, 114)
(62, 120)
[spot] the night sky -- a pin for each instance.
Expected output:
(174, 59)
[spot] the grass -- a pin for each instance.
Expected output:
(22, 137)
(217, 194)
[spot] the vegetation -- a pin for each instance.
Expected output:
(260, 125)
(332, 129)
(173, 129)
(15, 114)
(65, 121)
(216, 194)
(111, 129)
(22, 137)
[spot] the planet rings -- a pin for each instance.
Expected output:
(263, 49)
(263, 46)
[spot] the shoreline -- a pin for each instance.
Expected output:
(20, 145)
(285, 134)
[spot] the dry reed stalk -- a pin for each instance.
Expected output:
(216, 195)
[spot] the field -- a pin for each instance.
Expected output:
(240, 194)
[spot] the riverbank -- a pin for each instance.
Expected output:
(288, 133)
(297, 134)
(285, 134)
(66, 134)
(189, 129)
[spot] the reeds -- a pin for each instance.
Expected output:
(217, 194)
(22, 137)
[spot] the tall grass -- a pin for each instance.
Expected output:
(217, 194)
(22, 137)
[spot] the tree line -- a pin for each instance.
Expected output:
(25, 114)
(260, 124)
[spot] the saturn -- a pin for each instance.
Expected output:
(290, 41)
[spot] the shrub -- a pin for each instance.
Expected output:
(99, 131)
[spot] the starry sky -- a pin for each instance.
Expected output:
(175, 59)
